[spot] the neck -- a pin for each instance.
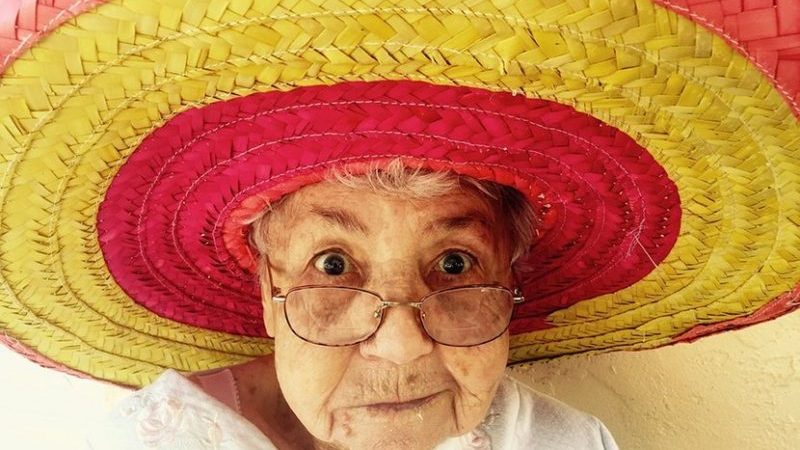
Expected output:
(263, 404)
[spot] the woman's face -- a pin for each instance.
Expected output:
(398, 389)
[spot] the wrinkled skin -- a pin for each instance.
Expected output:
(334, 392)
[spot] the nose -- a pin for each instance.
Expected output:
(400, 337)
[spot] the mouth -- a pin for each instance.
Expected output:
(377, 408)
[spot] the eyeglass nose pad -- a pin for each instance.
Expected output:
(379, 311)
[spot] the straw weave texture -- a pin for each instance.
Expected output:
(767, 31)
(23, 22)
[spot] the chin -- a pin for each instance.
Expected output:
(400, 433)
(391, 442)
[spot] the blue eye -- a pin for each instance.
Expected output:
(332, 263)
(455, 263)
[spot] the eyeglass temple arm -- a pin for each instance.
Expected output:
(518, 297)
(277, 297)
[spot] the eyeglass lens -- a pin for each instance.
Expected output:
(340, 316)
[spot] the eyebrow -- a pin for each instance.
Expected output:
(460, 222)
(341, 218)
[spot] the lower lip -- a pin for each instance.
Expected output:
(397, 407)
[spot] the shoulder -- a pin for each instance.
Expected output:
(174, 413)
(535, 420)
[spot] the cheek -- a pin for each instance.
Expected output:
(477, 372)
(481, 364)
(308, 375)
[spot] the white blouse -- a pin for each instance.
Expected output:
(173, 413)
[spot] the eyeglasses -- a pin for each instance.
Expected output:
(335, 316)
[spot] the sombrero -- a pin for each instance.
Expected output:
(659, 144)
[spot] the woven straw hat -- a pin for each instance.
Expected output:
(659, 143)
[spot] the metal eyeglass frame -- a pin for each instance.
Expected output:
(516, 296)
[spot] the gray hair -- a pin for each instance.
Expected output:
(396, 179)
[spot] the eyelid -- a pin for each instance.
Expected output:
(329, 250)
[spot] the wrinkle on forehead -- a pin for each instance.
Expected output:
(348, 209)
(341, 218)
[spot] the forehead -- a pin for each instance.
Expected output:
(329, 201)
(377, 225)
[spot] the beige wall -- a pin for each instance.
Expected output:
(44, 409)
(738, 390)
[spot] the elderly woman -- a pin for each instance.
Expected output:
(389, 295)
(312, 224)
